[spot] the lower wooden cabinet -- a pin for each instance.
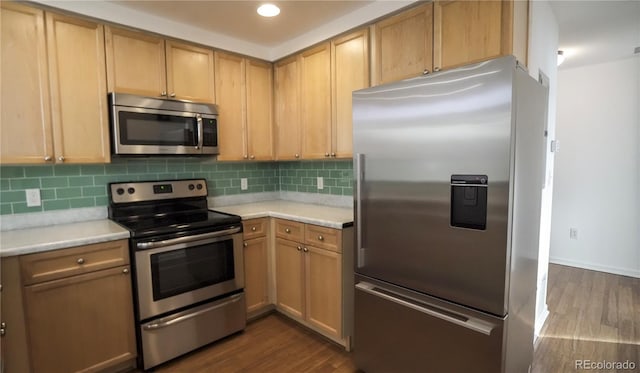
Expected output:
(256, 265)
(311, 284)
(77, 309)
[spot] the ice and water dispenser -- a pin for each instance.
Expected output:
(469, 201)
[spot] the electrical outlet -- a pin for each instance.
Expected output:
(320, 183)
(573, 233)
(243, 184)
(33, 197)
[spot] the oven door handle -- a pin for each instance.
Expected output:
(185, 239)
(179, 319)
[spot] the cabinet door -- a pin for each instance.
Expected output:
(230, 90)
(404, 45)
(323, 290)
(350, 67)
(255, 273)
(135, 63)
(78, 90)
(466, 31)
(24, 86)
(289, 277)
(287, 110)
(81, 322)
(190, 72)
(259, 109)
(315, 76)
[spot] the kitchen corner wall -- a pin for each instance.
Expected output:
(75, 186)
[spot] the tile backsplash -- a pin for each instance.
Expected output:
(74, 186)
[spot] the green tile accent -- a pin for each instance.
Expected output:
(21, 207)
(47, 194)
(115, 169)
(5, 184)
(102, 201)
(13, 196)
(82, 202)
(95, 191)
(62, 193)
(97, 169)
(59, 204)
(80, 180)
(66, 170)
(8, 172)
(54, 182)
(5, 209)
(38, 171)
(21, 184)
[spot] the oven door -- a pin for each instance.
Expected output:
(179, 272)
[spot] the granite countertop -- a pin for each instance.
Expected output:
(327, 216)
(52, 237)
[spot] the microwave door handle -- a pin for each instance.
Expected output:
(200, 131)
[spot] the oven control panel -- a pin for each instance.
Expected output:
(156, 190)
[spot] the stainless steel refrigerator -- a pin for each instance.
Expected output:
(448, 176)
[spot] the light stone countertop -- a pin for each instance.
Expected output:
(327, 216)
(52, 237)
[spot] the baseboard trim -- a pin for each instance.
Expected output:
(539, 324)
(596, 267)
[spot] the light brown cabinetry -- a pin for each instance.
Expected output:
(403, 45)
(313, 97)
(470, 31)
(143, 64)
(309, 278)
(256, 264)
(244, 88)
(53, 88)
(78, 308)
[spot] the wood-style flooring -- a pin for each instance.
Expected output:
(593, 316)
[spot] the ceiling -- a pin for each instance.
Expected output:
(590, 31)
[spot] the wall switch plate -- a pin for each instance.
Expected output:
(573, 233)
(320, 183)
(33, 197)
(243, 184)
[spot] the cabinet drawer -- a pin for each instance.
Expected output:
(289, 230)
(322, 237)
(254, 228)
(57, 264)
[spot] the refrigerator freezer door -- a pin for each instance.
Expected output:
(399, 331)
(410, 139)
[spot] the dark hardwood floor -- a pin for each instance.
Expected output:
(593, 316)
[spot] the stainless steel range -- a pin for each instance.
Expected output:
(187, 263)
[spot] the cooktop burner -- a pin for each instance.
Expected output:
(164, 207)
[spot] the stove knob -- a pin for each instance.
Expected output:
(120, 191)
(199, 186)
(131, 190)
(191, 187)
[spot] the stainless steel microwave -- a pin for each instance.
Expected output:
(152, 126)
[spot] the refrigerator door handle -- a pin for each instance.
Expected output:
(359, 177)
(474, 324)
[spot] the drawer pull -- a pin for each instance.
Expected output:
(305, 250)
(287, 230)
(253, 229)
(320, 238)
(125, 271)
(80, 261)
(299, 248)
(245, 244)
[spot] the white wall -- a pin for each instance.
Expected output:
(543, 48)
(597, 186)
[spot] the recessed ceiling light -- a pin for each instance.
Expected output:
(268, 10)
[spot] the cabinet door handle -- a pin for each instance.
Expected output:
(425, 72)
(287, 230)
(253, 157)
(3, 329)
(125, 271)
(436, 69)
(305, 250)
(320, 238)
(333, 154)
(61, 158)
(297, 155)
(163, 93)
(253, 229)
(326, 154)
(47, 158)
(299, 248)
(172, 95)
(245, 244)
(245, 156)
(80, 261)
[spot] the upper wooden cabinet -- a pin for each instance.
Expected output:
(147, 65)
(287, 108)
(470, 31)
(350, 72)
(244, 89)
(313, 98)
(403, 45)
(53, 88)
